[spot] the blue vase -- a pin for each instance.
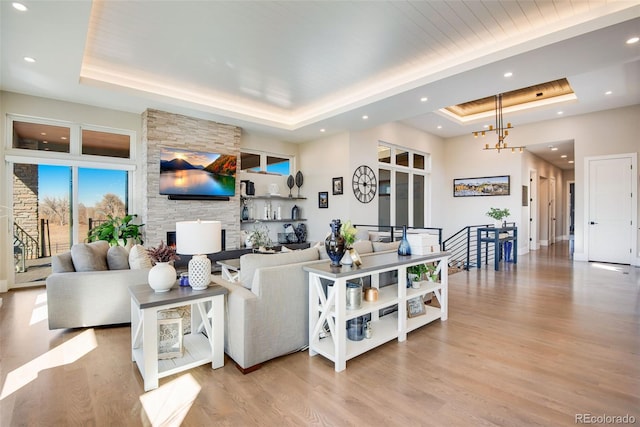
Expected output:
(334, 244)
(404, 248)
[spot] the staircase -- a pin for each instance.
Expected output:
(24, 247)
(463, 247)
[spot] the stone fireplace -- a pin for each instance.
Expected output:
(162, 129)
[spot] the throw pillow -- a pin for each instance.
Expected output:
(118, 258)
(62, 263)
(363, 247)
(385, 246)
(362, 234)
(322, 250)
(90, 256)
(139, 258)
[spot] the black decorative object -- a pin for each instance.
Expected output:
(301, 233)
(334, 244)
(290, 184)
(295, 213)
(364, 184)
(299, 181)
(404, 248)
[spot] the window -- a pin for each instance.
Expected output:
(106, 144)
(402, 187)
(43, 137)
(58, 194)
(263, 162)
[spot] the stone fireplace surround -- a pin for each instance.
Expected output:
(159, 214)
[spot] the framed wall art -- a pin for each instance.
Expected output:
(337, 186)
(482, 186)
(323, 199)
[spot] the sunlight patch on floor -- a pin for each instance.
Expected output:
(169, 404)
(607, 266)
(64, 354)
(40, 311)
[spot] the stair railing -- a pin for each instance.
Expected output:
(462, 246)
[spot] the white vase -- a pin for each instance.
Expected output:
(162, 277)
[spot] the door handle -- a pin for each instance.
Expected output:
(593, 223)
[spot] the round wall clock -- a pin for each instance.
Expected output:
(364, 183)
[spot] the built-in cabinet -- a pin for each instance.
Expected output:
(328, 306)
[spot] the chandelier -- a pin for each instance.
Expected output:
(501, 130)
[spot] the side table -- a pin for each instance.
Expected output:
(204, 344)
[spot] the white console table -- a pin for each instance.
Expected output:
(330, 307)
(204, 344)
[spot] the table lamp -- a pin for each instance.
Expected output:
(198, 238)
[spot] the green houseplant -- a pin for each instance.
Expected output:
(116, 230)
(498, 214)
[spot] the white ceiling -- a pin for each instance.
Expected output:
(289, 69)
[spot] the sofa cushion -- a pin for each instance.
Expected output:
(249, 263)
(363, 247)
(139, 258)
(90, 256)
(118, 258)
(385, 246)
(62, 263)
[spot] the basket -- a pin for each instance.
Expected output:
(287, 238)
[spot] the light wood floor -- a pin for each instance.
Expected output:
(534, 344)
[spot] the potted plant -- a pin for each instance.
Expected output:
(116, 230)
(259, 238)
(162, 275)
(162, 253)
(498, 215)
(348, 233)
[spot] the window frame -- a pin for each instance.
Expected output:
(263, 161)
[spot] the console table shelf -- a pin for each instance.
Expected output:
(327, 304)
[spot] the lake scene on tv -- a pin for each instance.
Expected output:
(195, 173)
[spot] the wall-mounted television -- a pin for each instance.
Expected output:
(197, 175)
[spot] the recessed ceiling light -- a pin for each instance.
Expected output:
(439, 126)
(570, 161)
(365, 117)
(554, 148)
(43, 133)
(608, 92)
(45, 142)
(322, 130)
(29, 59)
(19, 6)
(633, 40)
(560, 113)
(63, 138)
(508, 74)
(486, 126)
(424, 99)
(564, 156)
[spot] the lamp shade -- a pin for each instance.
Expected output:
(198, 237)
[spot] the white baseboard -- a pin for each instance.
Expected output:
(544, 243)
(580, 256)
(4, 286)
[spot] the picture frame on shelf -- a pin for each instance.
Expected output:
(415, 307)
(337, 186)
(323, 199)
(170, 337)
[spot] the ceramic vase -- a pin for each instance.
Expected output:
(404, 248)
(334, 244)
(162, 277)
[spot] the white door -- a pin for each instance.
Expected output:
(610, 218)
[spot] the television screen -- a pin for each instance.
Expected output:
(186, 173)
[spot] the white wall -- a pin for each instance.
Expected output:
(602, 133)
(340, 155)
